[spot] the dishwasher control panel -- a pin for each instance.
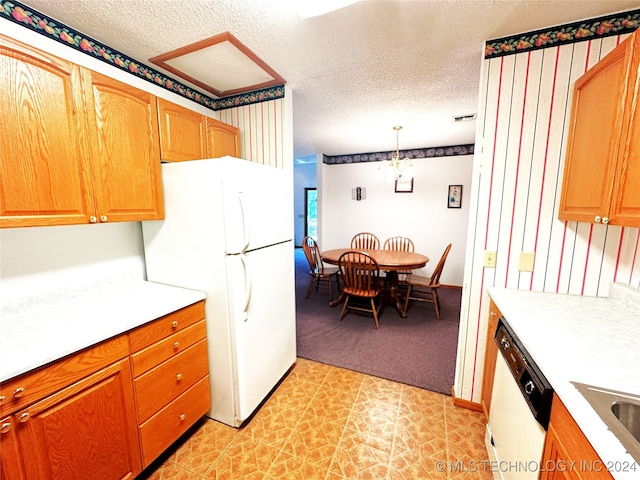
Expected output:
(535, 388)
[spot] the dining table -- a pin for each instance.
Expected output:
(390, 261)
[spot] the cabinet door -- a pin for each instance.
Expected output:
(596, 123)
(125, 150)
(87, 430)
(10, 460)
(222, 139)
(43, 147)
(626, 197)
(490, 355)
(183, 132)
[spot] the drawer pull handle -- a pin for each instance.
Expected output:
(24, 417)
(5, 427)
(174, 324)
(179, 376)
(2, 398)
(17, 393)
(182, 417)
(176, 345)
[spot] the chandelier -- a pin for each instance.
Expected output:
(395, 168)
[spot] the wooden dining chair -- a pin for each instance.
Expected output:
(425, 289)
(319, 275)
(365, 240)
(400, 244)
(361, 280)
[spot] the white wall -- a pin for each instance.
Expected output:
(422, 215)
(523, 122)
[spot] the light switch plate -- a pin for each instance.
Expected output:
(489, 260)
(526, 262)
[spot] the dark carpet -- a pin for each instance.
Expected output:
(418, 350)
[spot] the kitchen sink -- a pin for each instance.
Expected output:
(620, 411)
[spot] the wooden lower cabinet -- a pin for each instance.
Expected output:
(86, 430)
(566, 446)
(171, 368)
(85, 417)
(490, 355)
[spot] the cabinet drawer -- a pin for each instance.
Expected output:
(38, 384)
(165, 382)
(163, 350)
(165, 427)
(163, 327)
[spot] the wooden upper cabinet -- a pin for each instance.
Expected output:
(602, 171)
(183, 132)
(125, 150)
(76, 147)
(222, 139)
(43, 146)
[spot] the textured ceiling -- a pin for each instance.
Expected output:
(355, 72)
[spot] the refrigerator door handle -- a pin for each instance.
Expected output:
(246, 227)
(248, 284)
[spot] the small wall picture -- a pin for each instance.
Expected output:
(404, 185)
(455, 196)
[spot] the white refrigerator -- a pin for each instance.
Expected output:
(228, 231)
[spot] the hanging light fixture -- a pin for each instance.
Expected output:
(395, 168)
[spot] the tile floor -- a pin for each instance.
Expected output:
(324, 422)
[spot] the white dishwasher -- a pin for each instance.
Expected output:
(519, 412)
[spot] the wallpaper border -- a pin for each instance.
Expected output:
(605, 26)
(27, 17)
(450, 151)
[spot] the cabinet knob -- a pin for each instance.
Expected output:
(2, 398)
(598, 218)
(17, 393)
(174, 324)
(176, 345)
(24, 417)
(179, 377)
(5, 427)
(605, 220)
(103, 218)
(93, 219)
(182, 417)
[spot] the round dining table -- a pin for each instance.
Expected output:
(391, 261)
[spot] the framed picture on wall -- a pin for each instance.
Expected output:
(404, 185)
(455, 196)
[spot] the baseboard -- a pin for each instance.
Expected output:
(469, 405)
(442, 285)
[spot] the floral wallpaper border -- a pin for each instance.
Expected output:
(40, 23)
(450, 151)
(614, 24)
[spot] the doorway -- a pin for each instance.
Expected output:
(311, 212)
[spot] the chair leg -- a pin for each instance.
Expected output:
(309, 287)
(375, 312)
(436, 303)
(406, 300)
(344, 307)
(330, 289)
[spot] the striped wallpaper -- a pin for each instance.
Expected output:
(266, 131)
(523, 121)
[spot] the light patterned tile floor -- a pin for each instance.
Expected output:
(328, 423)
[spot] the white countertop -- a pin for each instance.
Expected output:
(590, 340)
(36, 330)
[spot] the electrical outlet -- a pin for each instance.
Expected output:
(526, 262)
(489, 259)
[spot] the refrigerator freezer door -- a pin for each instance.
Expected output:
(262, 323)
(258, 202)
